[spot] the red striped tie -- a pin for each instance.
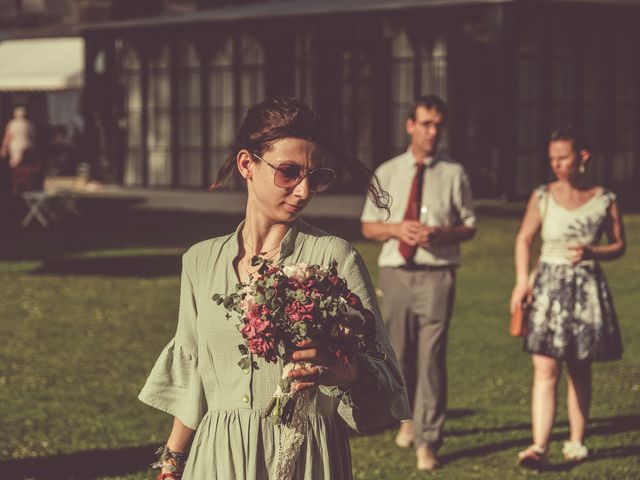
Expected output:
(413, 207)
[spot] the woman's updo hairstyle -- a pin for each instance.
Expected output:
(283, 117)
(569, 134)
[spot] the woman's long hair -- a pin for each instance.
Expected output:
(284, 117)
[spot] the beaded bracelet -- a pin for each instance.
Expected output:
(168, 476)
(170, 463)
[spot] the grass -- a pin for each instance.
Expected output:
(85, 309)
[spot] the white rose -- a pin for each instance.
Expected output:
(323, 272)
(299, 271)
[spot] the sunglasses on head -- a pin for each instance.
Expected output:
(289, 175)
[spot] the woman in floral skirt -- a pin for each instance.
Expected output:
(570, 317)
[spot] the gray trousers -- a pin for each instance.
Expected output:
(417, 307)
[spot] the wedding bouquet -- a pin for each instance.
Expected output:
(284, 307)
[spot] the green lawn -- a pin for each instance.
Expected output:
(86, 308)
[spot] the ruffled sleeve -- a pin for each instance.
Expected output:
(174, 385)
(378, 398)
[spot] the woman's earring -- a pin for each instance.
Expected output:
(581, 169)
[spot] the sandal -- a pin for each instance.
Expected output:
(533, 457)
(574, 451)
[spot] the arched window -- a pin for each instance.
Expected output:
(529, 99)
(159, 119)
(221, 104)
(402, 88)
(418, 68)
(357, 104)
(432, 56)
(304, 66)
(236, 82)
(132, 78)
(433, 63)
(100, 62)
(251, 62)
(593, 73)
(189, 117)
(562, 70)
(625, 118)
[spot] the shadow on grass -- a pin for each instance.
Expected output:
(455, 413)
(106, 226)
(631, 422)
(598, 426)
(102, 228)
(460, 413)
(127, 266)
(86, 465)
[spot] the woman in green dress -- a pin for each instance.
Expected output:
(218, 430)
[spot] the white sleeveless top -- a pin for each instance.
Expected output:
(563, 228)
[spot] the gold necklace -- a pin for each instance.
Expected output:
(252, 248)
(264, 255)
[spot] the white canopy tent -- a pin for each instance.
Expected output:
(51, 67)
(41, 64)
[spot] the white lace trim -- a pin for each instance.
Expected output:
(292, 436)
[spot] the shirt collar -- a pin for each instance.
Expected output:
(287, 244)
(412, 161)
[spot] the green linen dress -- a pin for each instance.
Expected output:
(197, 378)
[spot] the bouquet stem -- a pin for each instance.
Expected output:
(282, 405)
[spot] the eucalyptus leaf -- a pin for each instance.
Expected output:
(245, 362)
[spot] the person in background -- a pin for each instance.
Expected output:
(570, 318)
(431, 213)
(18, 145)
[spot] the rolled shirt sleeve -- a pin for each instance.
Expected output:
(370, 212)
(463, 200)
(174, 384)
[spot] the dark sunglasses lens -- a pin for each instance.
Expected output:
(287, 175)
(321, 179)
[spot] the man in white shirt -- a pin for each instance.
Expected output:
(431, 213)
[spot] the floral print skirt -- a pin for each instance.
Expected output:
(572, 315)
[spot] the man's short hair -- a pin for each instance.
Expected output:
(570, 134)
(430, 102)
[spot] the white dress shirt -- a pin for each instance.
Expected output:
(446, 201)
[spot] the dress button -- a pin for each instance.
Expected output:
(245, 398)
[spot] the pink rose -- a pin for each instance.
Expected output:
(260, 333)
(298, 312)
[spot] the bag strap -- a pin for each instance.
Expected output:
(544, 209)
(545, 204)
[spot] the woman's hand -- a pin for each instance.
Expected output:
(519, 295)
(326, 369)
(578, 253)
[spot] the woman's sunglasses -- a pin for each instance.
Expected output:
(289, 175)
